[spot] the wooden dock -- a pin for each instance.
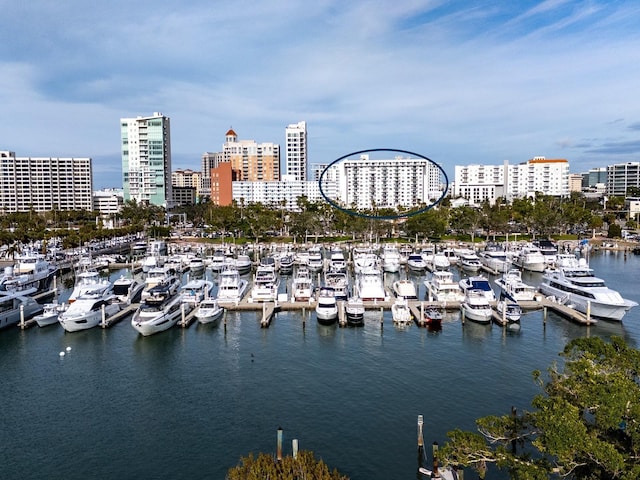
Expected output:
(116, 318)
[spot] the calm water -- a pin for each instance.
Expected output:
(188, 403)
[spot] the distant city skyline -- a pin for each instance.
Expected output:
(461, 82)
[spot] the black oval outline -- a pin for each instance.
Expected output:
(383, 217)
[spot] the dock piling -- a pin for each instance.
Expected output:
(22, 324)
(279, 445)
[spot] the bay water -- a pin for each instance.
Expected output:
(188, 403)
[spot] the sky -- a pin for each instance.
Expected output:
(460, 82)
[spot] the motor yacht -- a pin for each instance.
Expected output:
(470, 262)
(195, 291)
(88, 310)
(88, 281)
(209, 311)
(354, 311)
(14, 306)
(511, 284)
(391, 259)
(337, 262)
(405, 288)
(478, 283)
(370, 285)
(530, 258)
(441, 287)
(302, 285)
(326, 307)
(416, 263)
(160, 310)
(400, 312)
(265, 284)
(577, 286)
(50, 313)
(128, 290)
(495, 260)
(476, 307)
(231, 287)
(339, 281)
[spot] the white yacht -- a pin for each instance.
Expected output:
(405, 288)
(495, 260)
(217, 261)
(391, 259)
(508, 309)
(195, 291)
(478, 283)
(354, 311)
(128, 290)
(370, 285)
(231, 287)
(400, 312)
(32, 274)
(476, 307)
(339, 281)
(470, 262)
(530, 258)
(363, 259)
(12, 305)
(438, 261)
(550, 251)
(302, 285)
(209, 311)
(577, 286)
(88, 281)
(196, 266)
(50, 313)
(416, 262)
(160, 274)
(441, 287)
(160, 310)
(337, 262)
(327, 307)
(88, 310)
(243, 263)
(511, 283)
(315, 261)
(265, 284)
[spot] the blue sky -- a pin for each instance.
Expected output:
(460, 82)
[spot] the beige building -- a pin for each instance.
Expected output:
(44, 184)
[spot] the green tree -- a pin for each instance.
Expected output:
(585, 425)
(303, 467)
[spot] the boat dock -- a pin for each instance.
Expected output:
(269, 310)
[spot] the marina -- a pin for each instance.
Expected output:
(253, 368)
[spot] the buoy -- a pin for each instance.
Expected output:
(62, 354)
(68, 349)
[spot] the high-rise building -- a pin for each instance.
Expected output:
(366, 183)
(187, 178)
(146, 159)
(621, 176)
(296, 153)
(44, 184)
(251, 161)
(478, 183)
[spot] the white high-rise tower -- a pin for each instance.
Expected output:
(296, 160)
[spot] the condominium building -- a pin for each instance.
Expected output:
(296, 151)
(479, 183)
(277, 194)
(366, 183)
(146, 159)
(621, 176)
(44, 184)
(251, 161)
(187, 178)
